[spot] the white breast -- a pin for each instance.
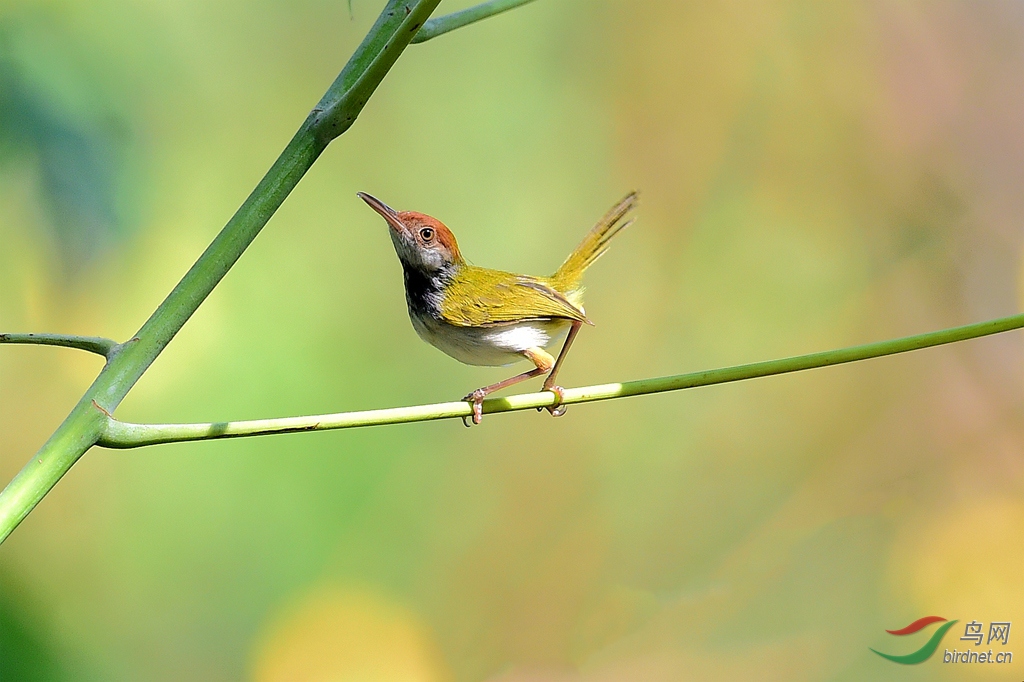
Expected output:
(491, 346)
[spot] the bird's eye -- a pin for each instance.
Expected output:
(427, 234)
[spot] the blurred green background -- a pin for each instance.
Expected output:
(812, 175)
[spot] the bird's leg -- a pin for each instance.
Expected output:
(558, 409)
(537, 356)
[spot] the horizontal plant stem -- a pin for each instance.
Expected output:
(450, 22)
(92, 344)
(120, 434)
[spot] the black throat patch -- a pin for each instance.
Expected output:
(424, 291)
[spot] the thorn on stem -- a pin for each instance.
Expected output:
(100, 408)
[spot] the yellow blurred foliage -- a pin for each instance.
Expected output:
(339, 634)
(965, 562)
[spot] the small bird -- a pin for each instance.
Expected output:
(489, 317)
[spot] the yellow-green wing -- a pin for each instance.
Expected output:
(478, 297)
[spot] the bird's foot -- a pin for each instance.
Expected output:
(558, 409)
(476, 398)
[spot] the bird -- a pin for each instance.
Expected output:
(490, 317)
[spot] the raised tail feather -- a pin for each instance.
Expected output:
(595, 243)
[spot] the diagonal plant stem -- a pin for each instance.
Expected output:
(336, 112)
(118, 434)
(92, 344)
(449, 22)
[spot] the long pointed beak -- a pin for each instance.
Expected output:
(389, 214)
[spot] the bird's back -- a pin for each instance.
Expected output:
(481, 297)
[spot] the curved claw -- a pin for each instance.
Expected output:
(476, 398)
(558, 409)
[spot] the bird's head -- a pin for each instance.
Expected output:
(422, 242)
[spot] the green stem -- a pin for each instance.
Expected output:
(92, 344)
(120, 434)
(450, 22)
(335, 113)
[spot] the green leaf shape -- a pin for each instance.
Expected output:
(76, 151)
